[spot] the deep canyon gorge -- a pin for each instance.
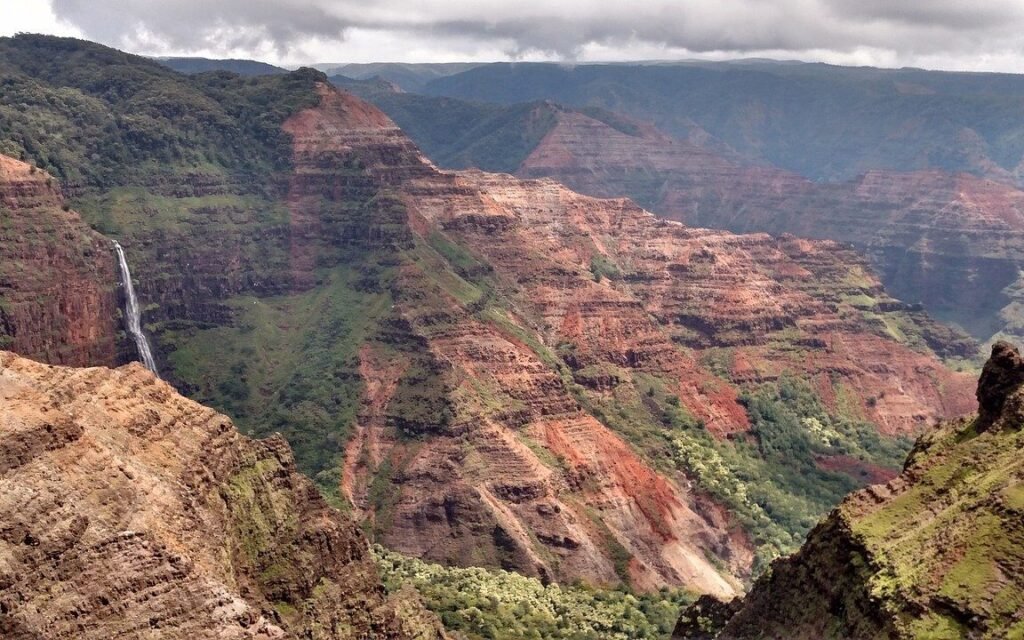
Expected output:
(632, 369)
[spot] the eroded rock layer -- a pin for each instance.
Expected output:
(533, 302)
(952, 241)
(58, 284)
(129, 510)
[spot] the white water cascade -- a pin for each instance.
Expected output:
(134, 312)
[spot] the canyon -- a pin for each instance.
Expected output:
(952, 241)
(463, 342)
(896, 162)
(485, 370)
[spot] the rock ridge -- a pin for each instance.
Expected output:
(128, 510)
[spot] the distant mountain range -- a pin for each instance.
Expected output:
(202, 65)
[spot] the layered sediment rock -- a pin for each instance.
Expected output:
(58, 284)
(521, 475)
(128, 510)
(951, 241)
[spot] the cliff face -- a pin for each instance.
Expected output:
(952, 241)
(477, 484)
(519, 307)
(934, 553)
(130, 510)
(58, 283)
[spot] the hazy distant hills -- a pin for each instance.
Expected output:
(410, 77)
(824, 122)
(241, 67)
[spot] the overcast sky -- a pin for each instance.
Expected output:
(939, 34)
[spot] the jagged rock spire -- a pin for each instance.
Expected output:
(1003, 373)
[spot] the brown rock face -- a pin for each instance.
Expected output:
(58, 282)
(1003, 374)
(521, 474)
(952, 241)
(472, 491)
(128, 511)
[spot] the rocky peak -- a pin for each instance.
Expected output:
(1002, 375)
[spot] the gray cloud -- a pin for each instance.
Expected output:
(203, 24)
(897, 31)
(952, 14)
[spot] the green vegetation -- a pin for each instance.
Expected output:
(774, 481)
(486, 604)
(955, 533)
(601, 267)
(288, 364)
(100, 118)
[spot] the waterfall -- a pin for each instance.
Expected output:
(134, 312)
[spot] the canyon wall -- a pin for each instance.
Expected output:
(130, 510)
(952, 241)
(534, 306)
(58, 282)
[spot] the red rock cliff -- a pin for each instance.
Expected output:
(952, 241)
(523, 475)
(58, 280)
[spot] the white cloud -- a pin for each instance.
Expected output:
(955, 34)
(33, 16)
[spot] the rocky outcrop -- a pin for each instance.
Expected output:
(1002, 375)
(128, 510)
(934, 553)
(58, 284)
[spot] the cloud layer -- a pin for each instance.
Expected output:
(944, 33)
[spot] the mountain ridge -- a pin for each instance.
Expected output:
(129, 509)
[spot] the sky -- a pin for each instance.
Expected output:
(977, 35)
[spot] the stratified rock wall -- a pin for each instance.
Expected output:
(952, 241)
(127, 510)
(58, 283)
(481, 487)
